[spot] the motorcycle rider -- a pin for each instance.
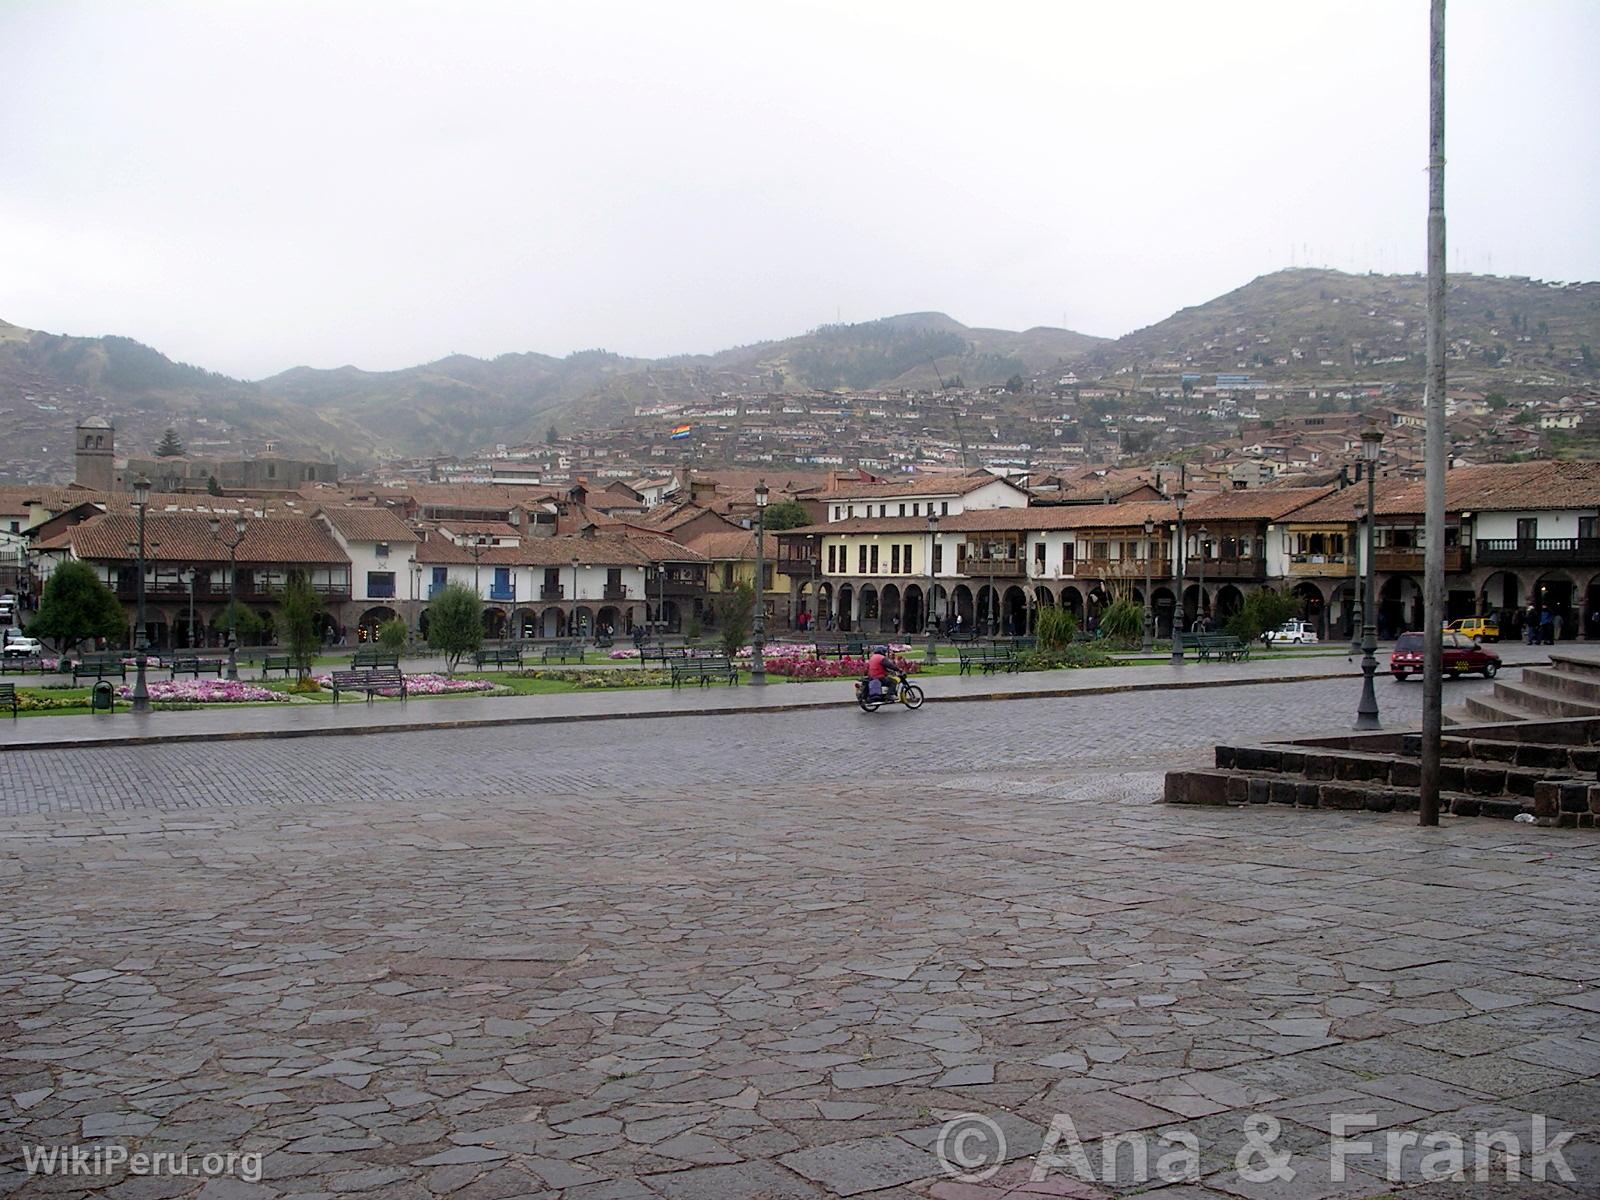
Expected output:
(880, 672)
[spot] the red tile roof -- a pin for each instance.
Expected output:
(267, 541)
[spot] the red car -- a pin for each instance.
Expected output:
(1462, 656)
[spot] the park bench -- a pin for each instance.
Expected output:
(561, 651)
(1216, 647)
(604, 641)
(703, 671)
(988, 659)
(849, 648)
(372, 680)
(193, 664)
(372, 656)
(276, 662)
(21, 664)
(98, 666)
(8, 695)
(665, 655)
(500, 656)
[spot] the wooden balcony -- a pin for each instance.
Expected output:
(797, 567)
(983, 568)
(1410, 560)
(1538, 552)
(1253, 569)
(1322, 566)
(614, 591)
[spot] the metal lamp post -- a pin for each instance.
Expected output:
(141, 692)
(1179, 499)
(1149, 605)
(932, 655)
(1367, 710)
(572, 621)
(1200, 586)
(758, 626)
(187, 575)
(1355, 624)
(233, 588)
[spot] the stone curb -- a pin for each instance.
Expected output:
(70, 743)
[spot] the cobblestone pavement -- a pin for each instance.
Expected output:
(770, 956)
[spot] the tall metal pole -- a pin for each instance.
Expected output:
(1367, 709)
(932, 656)
(141, 692)
(1178, 550)
(1200, 586)
(758, 635)
(1360, 584)
(1149, 604)
(1433, 530)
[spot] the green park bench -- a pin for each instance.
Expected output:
(987, 659)
(8, 695)
(561, 651)
(373, 681)
(499, 656)
(196, 665)
(373, 656)
(704, 671)
(276, 662)
(99, 666)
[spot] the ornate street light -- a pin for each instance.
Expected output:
(1149, 606)
(1367, 710)
(1179, 499)
(141, 692)
(233, 587)
(758, 628)
(1355, 623)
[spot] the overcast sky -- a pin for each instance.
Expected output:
(254, 186)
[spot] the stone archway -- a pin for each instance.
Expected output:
(1163, 603)
(554, 623)
(1399, 606)
(367, 624)
(1196, 604)
(1557, 591)
(914, 610)
(494, 623)
(847, 600)
(965, 608)
(869, 612)
(582, 622)
(1014, 612)
(1313, 606)
(890, 618)
(1072, 601)
(606, 621)
(524, 624)
(1229, 600)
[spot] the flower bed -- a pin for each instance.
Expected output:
(208, 691)
(831, 668)
(590, 680)
(429, 685)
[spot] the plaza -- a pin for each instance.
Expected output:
(770, 954)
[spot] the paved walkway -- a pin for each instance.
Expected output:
(289, 720)
(774, 958)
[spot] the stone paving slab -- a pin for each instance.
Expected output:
(732, 967)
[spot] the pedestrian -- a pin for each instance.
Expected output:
(1547, 627)
(1556, 628)
(1530, 626)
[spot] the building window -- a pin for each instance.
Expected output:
(883, 510)
(381, 549)
(894, 559)
(916, 509)
(905, 556)
(441, 576)
(874, 559)
(838, 511)
(831, 550)
(861, 559)
(1067, 551)
(902, 510)
(938, 558)
(944, 508)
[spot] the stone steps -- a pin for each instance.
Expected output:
(1568, 687)
(1234, 788)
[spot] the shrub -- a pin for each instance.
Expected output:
(392, 635)
(298, 610)
(1260, 612)
(77, 606)
(1122, 621)
(735, 610)
(831, 668)
(1055, 628)
(1067, 657)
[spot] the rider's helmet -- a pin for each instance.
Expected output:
(883, 650)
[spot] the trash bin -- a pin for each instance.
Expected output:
(100, 698)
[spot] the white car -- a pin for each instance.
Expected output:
(1294, 633)
(23, 647)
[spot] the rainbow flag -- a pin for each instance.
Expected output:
(679, 432)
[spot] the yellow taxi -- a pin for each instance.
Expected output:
(1479, 629)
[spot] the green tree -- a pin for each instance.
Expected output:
(246, 625)
(786, 514)
(1260, 612)
(392, 635)
(455, 624)
(213, 488)
(735, 610)
(77, 606)
(1014, 384)
(171, 446)
(298, 609)
(552, 435)
(1495, 401)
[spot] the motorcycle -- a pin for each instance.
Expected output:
(905, 692)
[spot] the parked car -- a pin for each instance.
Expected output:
(1295, 633)
(1462, 656)
(1479, 629)
(23, 647)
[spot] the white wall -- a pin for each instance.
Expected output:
(1553, 523)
